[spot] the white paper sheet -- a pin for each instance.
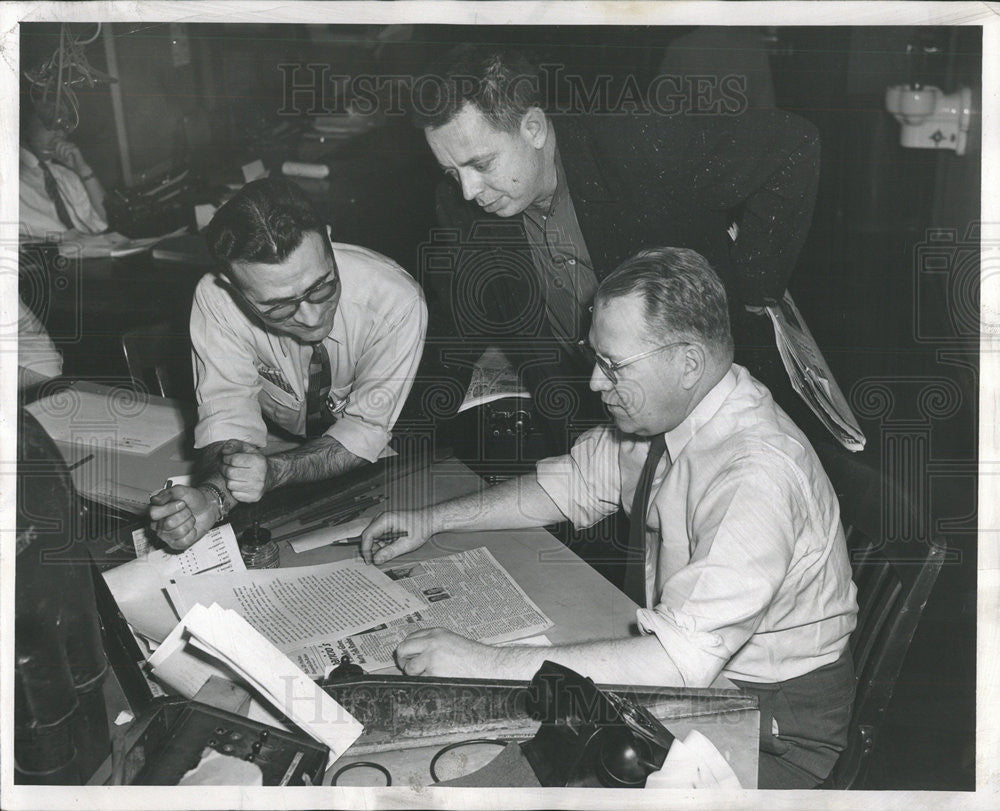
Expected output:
(227, 636)
(303, 605)
(694, 763)
(138, 586)
(119, 421)
(329, 535)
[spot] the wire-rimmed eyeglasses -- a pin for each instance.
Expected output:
(611, 368)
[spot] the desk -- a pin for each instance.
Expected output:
(581, 604)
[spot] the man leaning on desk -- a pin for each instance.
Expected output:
(320, 338)
(736, 556)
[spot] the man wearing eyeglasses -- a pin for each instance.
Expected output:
(547, 205)
(737, 558)
(319, 339)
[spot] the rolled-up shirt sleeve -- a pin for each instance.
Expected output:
(584, 484)
(384, 375)
(226, 379)
(743, 535)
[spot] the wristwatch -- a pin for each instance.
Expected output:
(220, 499)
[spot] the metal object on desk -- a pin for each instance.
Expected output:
(407, 718)
(169, 740)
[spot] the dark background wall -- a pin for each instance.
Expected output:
(211, 96)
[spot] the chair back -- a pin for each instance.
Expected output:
(158, 358)
(894, 580)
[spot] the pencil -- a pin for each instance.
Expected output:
(80, 462)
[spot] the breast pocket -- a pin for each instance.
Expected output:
(280, 406)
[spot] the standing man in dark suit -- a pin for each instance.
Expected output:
(542, 206)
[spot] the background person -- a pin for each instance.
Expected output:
(579, 192)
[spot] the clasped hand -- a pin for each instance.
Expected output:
(180, 515)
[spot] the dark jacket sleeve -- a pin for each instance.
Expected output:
(765, 166)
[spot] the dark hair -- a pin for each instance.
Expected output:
(683, 296)
(263, 222)
(501, 83)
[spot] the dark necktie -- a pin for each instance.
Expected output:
(318, 416)
(635, 562)
(52, 190)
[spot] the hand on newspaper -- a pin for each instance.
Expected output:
(437, 652)
(381, 540)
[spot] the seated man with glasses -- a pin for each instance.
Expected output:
(320, 339)
(736, 555)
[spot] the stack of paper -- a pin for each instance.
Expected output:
(810, 375)
(139, 585)
(231, 642)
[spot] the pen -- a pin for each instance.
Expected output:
(81, 462)
(389, 536)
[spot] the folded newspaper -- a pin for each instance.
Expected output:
(493, 378)
(811, 376)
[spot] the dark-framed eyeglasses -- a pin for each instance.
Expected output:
(610, 368)
(323, 290)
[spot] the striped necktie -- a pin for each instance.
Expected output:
(635, 561)
(318, 416)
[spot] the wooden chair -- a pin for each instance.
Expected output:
(159, 360)
(894, 580)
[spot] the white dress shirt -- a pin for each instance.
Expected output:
(747, 571)
(243, 372)
(38, 217)
(35, 350)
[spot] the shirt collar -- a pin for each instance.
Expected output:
(561, 189)
(678, 438)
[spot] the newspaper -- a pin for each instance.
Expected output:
(301, 606)
(493, 378)
(811, 376)
(468, 592)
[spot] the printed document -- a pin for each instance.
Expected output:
(468, 593)
(810, 375)
(236, 647)
(303, 605)
(138, 586)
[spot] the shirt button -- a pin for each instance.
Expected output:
(572, 261)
